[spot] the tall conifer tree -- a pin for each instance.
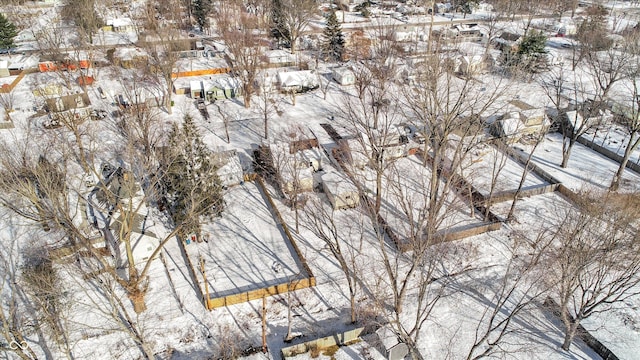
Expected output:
(7, 32)
(191, 182)
(333, 46)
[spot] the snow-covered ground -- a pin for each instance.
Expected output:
(613, 137)
(245, 249)
(586, 168)
(486, 162)
(245, 244)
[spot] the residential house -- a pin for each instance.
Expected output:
(519, 120)
(278, 58)
(297, 81)
(118, 210)
(220, 88)
(121, 25)
(196, 89)
(129, 57)
(66, 107)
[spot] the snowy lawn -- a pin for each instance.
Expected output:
(487, 162)
(586, 169)
(613, 137)
(245, 250)
(449, 332)
(406, 185)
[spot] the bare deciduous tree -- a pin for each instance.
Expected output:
(295, 16)
(344, 239)
(520, 286)
(595, 257)
(16, 320)
(240, 32)
(266, 102)
(630, 116)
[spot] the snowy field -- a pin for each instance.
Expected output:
(448, 334)
(619, 329)
(405, 194)
(486, 162)
(614, 138)
(586, 169)
(245, 249)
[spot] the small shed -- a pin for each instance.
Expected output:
(129, 57)
(509, 127)
(229, 168)
(294, 172)
(471, 65)
(304, 176)
(343, 76)
(222, 88)
(298, 81)
(77, 106)
(4, 68)
(196, 89)
(340, 191)
(121, 25)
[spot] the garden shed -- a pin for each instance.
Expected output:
(340, 191)
(229, 168)
(343, 76)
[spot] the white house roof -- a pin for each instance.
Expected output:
(337, 183)
(120, 22)
(297, 78)
(575, 119)
(128, 53)
(4, 64)
(276, 56)
(342, 71)
(195, 85)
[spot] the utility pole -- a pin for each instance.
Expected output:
(264, 324)
(206, 284)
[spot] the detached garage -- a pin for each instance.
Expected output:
(196, 89)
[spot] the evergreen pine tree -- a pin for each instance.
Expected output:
(278, 29)
(192, 185)
(201, 11)
(530, 54)
(7, 32)
(333, 38)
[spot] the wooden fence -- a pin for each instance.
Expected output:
(583, 334)
(339, 339)
(256, 294)
(305, 281)
(7, 88)
(200, 72)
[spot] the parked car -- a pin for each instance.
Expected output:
(102, 93)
